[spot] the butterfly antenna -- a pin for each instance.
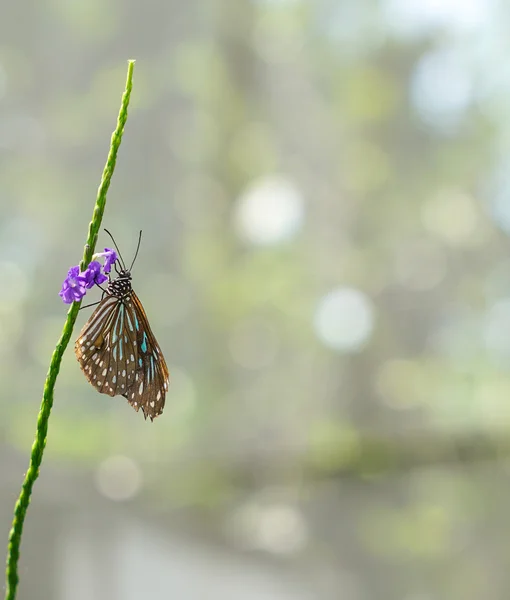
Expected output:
(137, 248)
(117, 248)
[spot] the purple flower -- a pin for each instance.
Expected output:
(93, 275)
(74, 286)
(110, 256)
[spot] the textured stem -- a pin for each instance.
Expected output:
(20, 510)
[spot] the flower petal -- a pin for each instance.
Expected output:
(74, 286)
(110, 258)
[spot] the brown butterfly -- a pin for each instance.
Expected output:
(117, 350)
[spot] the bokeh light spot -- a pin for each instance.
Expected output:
(344, 319)
(441, 90)
(118, 478)
(277, 528)
(412, 18)
(451, 215)
(269, 211)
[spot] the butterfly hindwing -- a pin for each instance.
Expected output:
(151, 380)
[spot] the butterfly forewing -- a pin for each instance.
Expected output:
(106, 351)
(119, 354)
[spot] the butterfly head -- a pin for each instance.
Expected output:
(124, 274)
(120, 287)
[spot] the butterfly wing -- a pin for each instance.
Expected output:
(151, 379)
(107, 349)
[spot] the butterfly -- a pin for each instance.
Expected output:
(117, 350)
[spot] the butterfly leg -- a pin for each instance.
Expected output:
(95, 303)
(89, 305)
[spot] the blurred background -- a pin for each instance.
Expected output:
(324, 188)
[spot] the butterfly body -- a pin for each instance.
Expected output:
(118, 352)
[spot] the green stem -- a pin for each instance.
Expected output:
(20, 510)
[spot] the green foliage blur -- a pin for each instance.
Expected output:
(323, 190)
